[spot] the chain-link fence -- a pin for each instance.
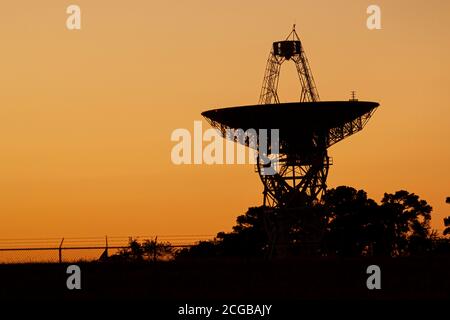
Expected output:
(54, 250)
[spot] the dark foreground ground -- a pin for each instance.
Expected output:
(402, 278)
(425, 280)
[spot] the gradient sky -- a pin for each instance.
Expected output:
(86, 116)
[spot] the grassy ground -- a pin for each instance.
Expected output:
(225, 280)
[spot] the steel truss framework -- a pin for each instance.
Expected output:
(282, 51)
(301, 175)
(301, 178)
(302, 162)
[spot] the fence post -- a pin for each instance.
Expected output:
(60, 250)
(106, 248)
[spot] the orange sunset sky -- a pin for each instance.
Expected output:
(86, 116)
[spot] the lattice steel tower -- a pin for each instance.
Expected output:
(302, 177)
(291, 49)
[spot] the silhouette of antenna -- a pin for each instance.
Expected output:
(289, 49)
(307, 128)
(353, 96)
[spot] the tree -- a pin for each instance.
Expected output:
(133, 252)
(203, 249)
(346, 222)
(248, 237)
(154, 250)
(258, 231)
(447, 220)
(407, 222)
(352, 225)
(148, 250)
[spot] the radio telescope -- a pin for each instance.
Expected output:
(307, 128)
